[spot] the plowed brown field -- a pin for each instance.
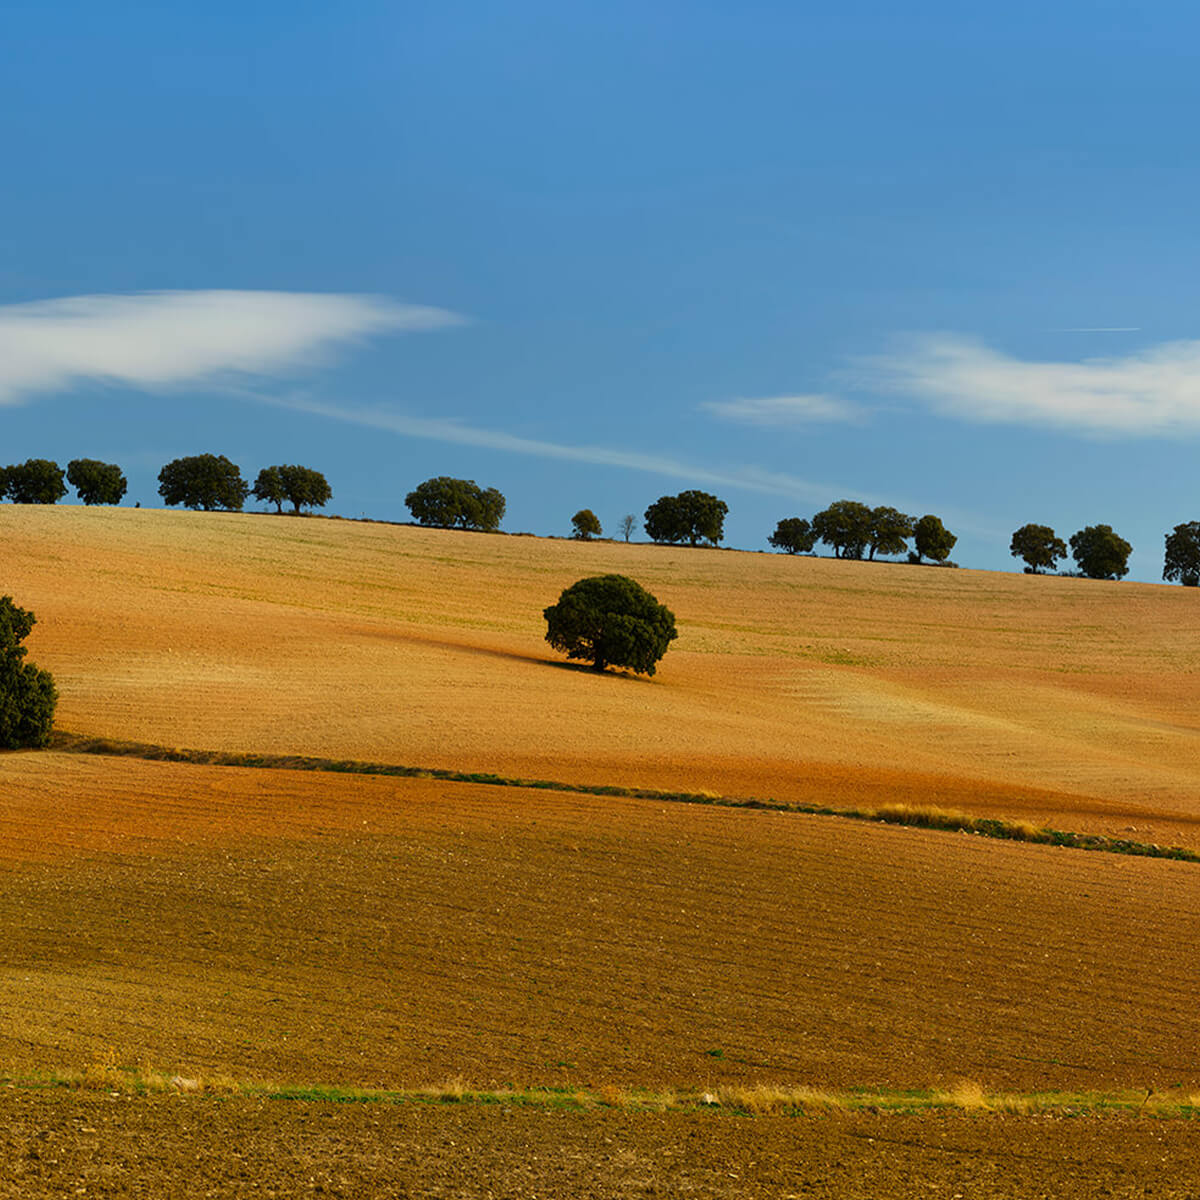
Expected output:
(391, 932)
(1071, 701)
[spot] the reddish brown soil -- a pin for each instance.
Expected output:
(390, 933)
(55, 1145)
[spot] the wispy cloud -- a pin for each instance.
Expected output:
(1099, 329)
(749, 478)
(158, 339)
(1155, 392)
(783, 412)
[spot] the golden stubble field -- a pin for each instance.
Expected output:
(1069, 701)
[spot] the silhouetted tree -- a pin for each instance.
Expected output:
(890, 531)
(610, 621)
(207, 481)
(795, 535)
(35, 481)
(932, 539)
(1100, 553)
(456, 503)
(1038, 546)
(1183, 554)
(628, 525)
(96, 482)
(268, 488)
(302, 487)
(585, 524)
(846, 526)
(690, 517)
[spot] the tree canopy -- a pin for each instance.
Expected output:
(932, 539)
(456, 503)
(846, 526)
(1100, 553)
(793, 534)
(890, 531)
(690, 517)
(27, 694)
(610, 621)
(207, 481)
(585, 524)
(299, 486)
(35, 481)
(96, 482)
(1038, 546)
(1182, 560)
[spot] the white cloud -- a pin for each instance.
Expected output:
(782, 412)
(748, 478)
(1155, 392)
(156, 339)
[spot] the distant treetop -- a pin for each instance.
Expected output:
(207, 481)
(456, 503)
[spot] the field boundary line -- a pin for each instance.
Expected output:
(918, 816)
(753, 1100)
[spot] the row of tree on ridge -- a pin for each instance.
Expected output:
(853, 530)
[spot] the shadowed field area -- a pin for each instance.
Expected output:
(1067, 701)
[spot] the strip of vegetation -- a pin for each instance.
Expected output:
(923, 816)
(743, 1100)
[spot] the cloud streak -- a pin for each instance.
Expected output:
(749, 478)
(159, 339)
(783, 412)
(1153, 393)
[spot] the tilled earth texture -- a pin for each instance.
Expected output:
(186, 1147)
(1067, 701)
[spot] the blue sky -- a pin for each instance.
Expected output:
(936, 255)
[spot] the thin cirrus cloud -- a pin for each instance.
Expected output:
(781, 412)
(1151, 393)
(159, 339)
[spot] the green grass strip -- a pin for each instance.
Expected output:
(752, 1100)
(923, 816)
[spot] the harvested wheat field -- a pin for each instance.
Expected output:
(1065, 701)
(621, 982)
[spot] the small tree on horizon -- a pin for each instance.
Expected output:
(1182, 559)
(628, 525)
(932, 539)
(96, 482)
(456, 504)
(890, 531)
(205, 481)
(1039, 546)
(35, 481)
(1100, 553)
(691, 517)
(846, 526)
(794, 535)
(610, 621)
(585, 525)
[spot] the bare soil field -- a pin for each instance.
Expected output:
(178, 1146)
(384, 932)
(1067, 701)
(390, 933)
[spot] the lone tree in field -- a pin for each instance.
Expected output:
(890, 531)
(1100, 553)
(35, 481)
(1183, 554)
(628, 525)
(585, 525)
(691, 517)
(207, 481)
(1039, 547)
(299, 486)
(27, 694)
(610, 621)
(932, 539)
(456, 504)
(96, 482)
(846, 526)
(795, 535)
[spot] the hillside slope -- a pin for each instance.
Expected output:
(1071, 701)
